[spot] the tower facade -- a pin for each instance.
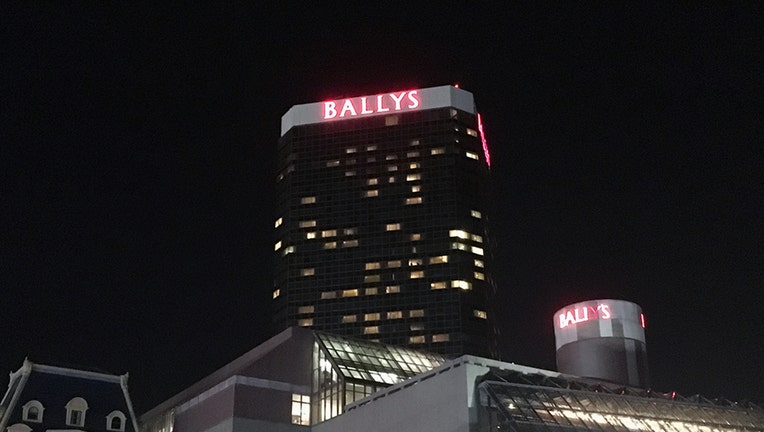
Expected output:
(382, 222)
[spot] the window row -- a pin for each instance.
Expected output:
(355, 292)
(76, 408)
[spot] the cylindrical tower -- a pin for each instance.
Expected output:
(602, 339)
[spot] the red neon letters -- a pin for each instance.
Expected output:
(354, 107)
(584, 313)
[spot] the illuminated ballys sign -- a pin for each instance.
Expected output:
(583, 314)
(368, 105)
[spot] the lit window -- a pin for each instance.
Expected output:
(394, 264)
(391, 157)
(370, 291)
(476, 250)
(305, 309)
(300, 409)
(371, 330)
(439, 259)
(471, 132)
(471, 155)
(371, 316)
(115, 421)
(414, 165)
(349, 318)
(392, 289)
(415, 237)
(393, 227)
(330, 245)
(307, 224)
(437, 285)
(391, 179)
(476, 238)
(328, 295)
(276, 293)
(476, 214)
(461, 284)
(372, 266)
(278, 222)
(480, 314)
(392, 120)
(349, 243)
(416, 339)
(414, 142)
(479, 263)
(75, 412)
(459, 234)
(413, 177)
(440, 338)
(308, 200)
(350, 173)
(479, 276)
(437, 151)
(350, 231)
(453, 113)
(391, 168)
(310, 235)
(371, 181)
(371, 193)
(350, 293)
(416, 313)
(277, 246)
(412, 154)
(416, 327)
(371, 148)
(371, 278)
(287, 250)
(307, 272)
(350, 150)
(305, 322)
(32, 411)
(417, 274)
(413, 262)
(394, 315)
(333, 163)
(328, 233)
(414, 200)
(416, 188)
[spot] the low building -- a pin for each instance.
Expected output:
(50, 398)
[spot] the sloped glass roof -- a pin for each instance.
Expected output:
(376, 362)
(528, 407)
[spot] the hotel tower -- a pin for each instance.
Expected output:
(382, 222)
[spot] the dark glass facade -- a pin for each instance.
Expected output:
(382, 231)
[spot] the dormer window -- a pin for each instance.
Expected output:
(75, 412)
(32, 411)
(115, 421)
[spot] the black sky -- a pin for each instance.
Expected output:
(137, 148)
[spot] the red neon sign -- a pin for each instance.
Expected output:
(483, 140)
(583, 314)
(366, 105)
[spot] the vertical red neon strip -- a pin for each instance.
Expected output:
(642, 320)
(485, 143)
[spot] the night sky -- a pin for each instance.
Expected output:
(137, 152)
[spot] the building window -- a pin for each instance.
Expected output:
(413, 262)
(370, 291)
(394, 264)
(332, 163)
(472, 132)
(308, 200)
(394, 315)
(417, 327)
(480, 314)
(391, 157)
(350, 173)
(437, 285)
(392, 289)
(438, 151)
(414, 142)
(371, 148)
(350, 293)
(416, 313)
(416, 274)
(416, 339)
(413, 177)
(412, 154)
(371, 193)
(439, 259)
(276, 293)
(371, 316)
(476, 214)
(441, 337)
(277, 246)
(372, 266)
(471, 155)
(416, 189)
(350, 150)
(350, 231)
(115, 421)
(307, 224)
(305, 322)
(391, 168)
(287, 250)
(307, 272)
(414, 165)
(371, 278)
(371, 330)
(326, 295)
(278, 222)
(461, 284)
(478, 275)
(300, 409)
(75, 412)
(372, 181)
(349, 243)
(328, 233)
(476, 250)
(479, 263)
(310, 235)
(349, 318)
(32, 411)
(413, 200)
(393, 227)
(416, 237)
(330, 245)
(306, 309)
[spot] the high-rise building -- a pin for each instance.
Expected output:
(382, 223)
